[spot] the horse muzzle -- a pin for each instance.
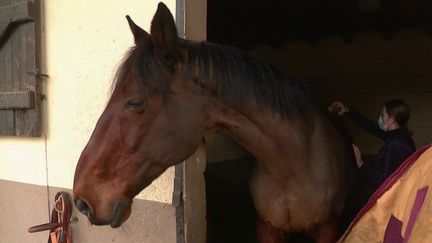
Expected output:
(120, 213)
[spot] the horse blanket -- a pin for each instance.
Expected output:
(401, 208)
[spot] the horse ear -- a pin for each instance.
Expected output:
(163, 31)
(137, 32)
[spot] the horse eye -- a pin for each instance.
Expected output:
(134, 103)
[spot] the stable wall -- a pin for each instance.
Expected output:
(83, 42)
(364, 75)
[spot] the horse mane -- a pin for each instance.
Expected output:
(144, 66)
(233, 76)
(236, 77)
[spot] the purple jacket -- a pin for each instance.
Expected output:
(398, 146)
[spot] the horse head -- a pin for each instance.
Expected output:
(150, 123)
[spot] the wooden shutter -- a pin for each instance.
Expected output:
(19, 68)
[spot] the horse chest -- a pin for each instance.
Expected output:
(289, 204)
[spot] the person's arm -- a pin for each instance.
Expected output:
(366, 123)
(339, 108)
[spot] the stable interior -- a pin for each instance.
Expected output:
(362, 53)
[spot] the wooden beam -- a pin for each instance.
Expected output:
(17, 100)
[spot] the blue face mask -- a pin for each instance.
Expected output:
(382, 125)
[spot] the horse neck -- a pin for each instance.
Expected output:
(229, 78)
(270, 138)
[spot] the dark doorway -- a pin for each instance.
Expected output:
(230, 210)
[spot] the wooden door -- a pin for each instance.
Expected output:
(19, 68)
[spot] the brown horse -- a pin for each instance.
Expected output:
(170, 93)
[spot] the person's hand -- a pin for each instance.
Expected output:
(358, 157)
(338, 108)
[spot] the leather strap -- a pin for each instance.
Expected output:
(59, 226)
(43, 227)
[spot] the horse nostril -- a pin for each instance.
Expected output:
(82, 206)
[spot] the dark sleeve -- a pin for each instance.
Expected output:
(368, 169)
(394, 157)
(367, 124)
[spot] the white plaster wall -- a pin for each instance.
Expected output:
(83, 41)
(23, 160)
